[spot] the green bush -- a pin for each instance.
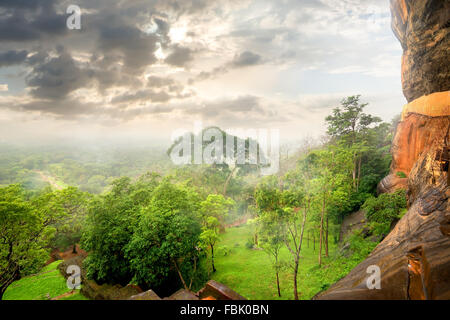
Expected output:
(401, 174)
(382, 211)
(386, 207)
(360, 246)
(224, 250)
(250, 243)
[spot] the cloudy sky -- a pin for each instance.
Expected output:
(143, 68)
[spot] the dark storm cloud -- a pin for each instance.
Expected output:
(24, 4)
(135, 47)
(12, 57)
(115, 50)
(245, 59)
(64, 108)
(111, 50)
(242, 60)
(147, 95)
(22, 20)
(163, 29)
(55, 78)
(180, 56)
(160, 90)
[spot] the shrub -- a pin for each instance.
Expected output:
(382, 211)
(224, 250)
(250, 243)
(386, 207)
(401, 174)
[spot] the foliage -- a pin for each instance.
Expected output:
(24, 233)
(73, 205)
(109, 227)
(160, 229)
(166, 237)
(401, 174)
(385, 209)
(217, 206)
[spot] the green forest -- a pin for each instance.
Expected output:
(146, 222)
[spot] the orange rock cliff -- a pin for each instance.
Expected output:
(414, 258)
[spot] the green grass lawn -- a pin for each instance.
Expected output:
(249, 272)
(47, 283)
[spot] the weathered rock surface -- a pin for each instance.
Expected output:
(423, 28)
(147, 295)
(414, 258)
(93, 290)
(415, 135)
(392, 183)
(182, 294)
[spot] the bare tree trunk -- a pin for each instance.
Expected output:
(179, 274)
(359, 174)
(11, 275)
(295, 279)
(278, 285)
(299, 249)
(212, 258)
(303, 229)
(308, 239)
(326, 239)
(321, 230)
(314, 242)
(193, 274)
(74, 249)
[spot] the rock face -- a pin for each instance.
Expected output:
(423, 30)
(391, 183)
(147, 295)
(414, 259)
(415, 135)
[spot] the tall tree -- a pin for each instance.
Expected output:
(167, 237)
(350, 124)
(24, 234)
(217, 206)
(287, 206)
(272, 240)
(332, 166)
(210, 236)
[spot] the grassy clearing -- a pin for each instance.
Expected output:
(249, 272)
(48, 283)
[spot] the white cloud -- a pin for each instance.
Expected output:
(296, 58)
